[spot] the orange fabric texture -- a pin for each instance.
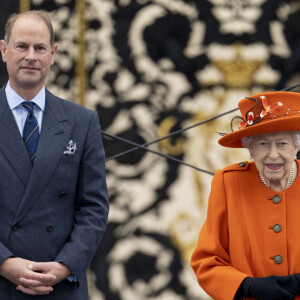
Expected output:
(238, 240)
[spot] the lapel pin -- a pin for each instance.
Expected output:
(71, 148)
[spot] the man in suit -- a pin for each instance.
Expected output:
(53, 195)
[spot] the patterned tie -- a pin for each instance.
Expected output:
(31, 130)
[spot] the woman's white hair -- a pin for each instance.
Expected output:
(246, 141)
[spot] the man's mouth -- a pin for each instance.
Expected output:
(30, 68)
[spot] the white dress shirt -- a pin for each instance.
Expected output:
(19, 112)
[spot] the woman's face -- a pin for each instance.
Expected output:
(273, 154)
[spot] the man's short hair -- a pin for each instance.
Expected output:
(42, 14)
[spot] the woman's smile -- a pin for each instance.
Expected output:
(274, 167)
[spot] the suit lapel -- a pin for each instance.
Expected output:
(12, 145)
(55, 134)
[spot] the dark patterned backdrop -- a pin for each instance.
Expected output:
(150, 67)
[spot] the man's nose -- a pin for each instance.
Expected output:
(30, 54)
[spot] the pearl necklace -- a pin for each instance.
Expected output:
(290, 181)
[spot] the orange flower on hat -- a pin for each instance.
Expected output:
(268, 108)
(250, 120)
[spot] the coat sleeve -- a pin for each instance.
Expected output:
(4, 253)
(91, 205)
(211, 259)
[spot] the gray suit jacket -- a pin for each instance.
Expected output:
(55, 209)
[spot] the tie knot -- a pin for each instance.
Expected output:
(28, 105)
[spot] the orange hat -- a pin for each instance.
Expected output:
(265, 112)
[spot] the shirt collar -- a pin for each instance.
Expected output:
(14, 99)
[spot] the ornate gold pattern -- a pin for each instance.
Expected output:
(238, 72)
(24, 5)
(164, 129)
(80, 61)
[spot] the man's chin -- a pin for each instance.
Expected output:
(30, 83)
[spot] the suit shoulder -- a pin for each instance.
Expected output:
(70, 109)
(241, 166)
(69, 105)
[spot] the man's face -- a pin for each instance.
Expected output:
(28, 54)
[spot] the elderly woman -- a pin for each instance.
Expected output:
(249, 246)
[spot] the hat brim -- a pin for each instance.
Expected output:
(233, 139)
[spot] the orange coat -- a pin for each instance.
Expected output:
(239, 238)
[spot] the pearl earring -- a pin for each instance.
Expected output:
(250, 156)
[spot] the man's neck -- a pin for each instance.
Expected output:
(26, 93)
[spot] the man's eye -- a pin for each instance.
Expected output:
(40, 49)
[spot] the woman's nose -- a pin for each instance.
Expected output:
(273, 153)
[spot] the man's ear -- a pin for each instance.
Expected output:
(53, 51)
(3, 50)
